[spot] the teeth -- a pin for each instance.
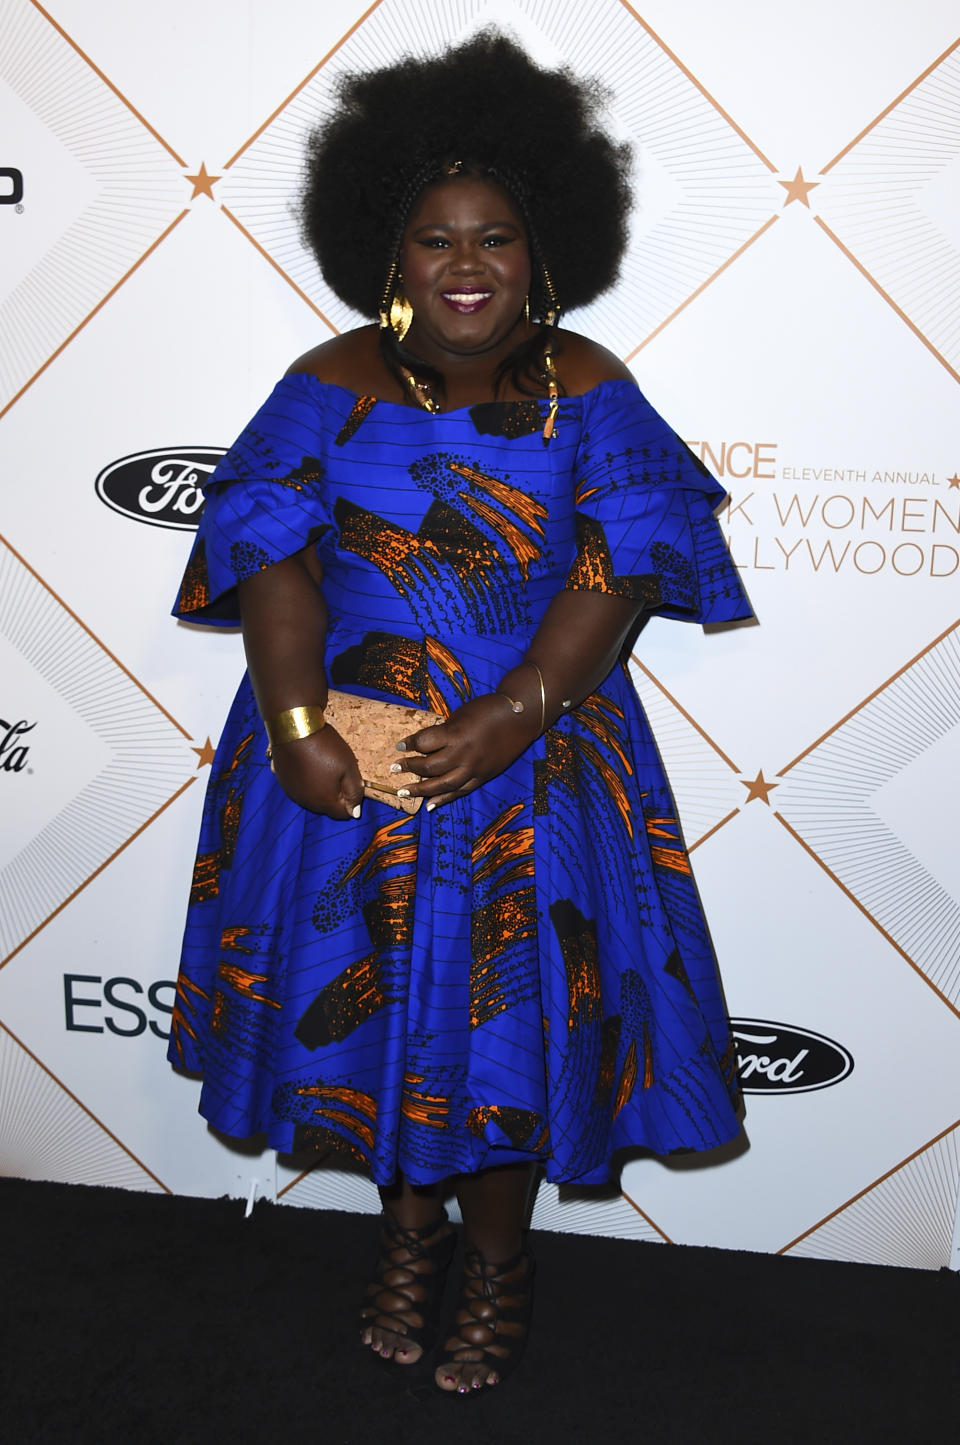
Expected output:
(467, 296)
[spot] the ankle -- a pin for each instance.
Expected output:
(496, 1249)
(413, 1208)
(415, 1237)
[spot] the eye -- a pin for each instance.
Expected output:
(435, 243)
(498, 239)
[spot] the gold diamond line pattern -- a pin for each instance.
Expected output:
(608, 1212)
(102, 247)
(558, 20)
(875, 207)
(930, 99)
(703, 778)
(722, 167)
(905, 1217)
(825, 803)
(46, 1132)
(329, 1183)
(149, 756)
(875, 198)
(724, 188)
(837, 237)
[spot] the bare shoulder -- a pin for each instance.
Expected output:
(583, 364)
(351, 360)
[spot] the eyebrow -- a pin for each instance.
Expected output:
(480, 226)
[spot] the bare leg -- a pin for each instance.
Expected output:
(397, 1294)
(493, 1204)
(412, 1205)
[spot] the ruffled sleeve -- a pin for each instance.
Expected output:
(264, 502)
(644, 514)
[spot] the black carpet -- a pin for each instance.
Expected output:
(135, 1317)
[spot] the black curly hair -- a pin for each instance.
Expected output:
(486, 105)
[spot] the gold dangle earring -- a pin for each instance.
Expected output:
(526, 310)
(396, 315)
(401, 312)
(549, 369)
(552, 316)
(395, 310)
(387, 297)
(553, 395)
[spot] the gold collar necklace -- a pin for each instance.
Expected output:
(425, 399)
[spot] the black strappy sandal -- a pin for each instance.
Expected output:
(406, 1293)
(492, 1320)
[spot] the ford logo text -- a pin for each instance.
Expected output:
(160, 487)
(781, 1059)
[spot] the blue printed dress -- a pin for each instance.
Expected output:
(524, 973)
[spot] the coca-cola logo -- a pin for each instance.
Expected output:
(160, 487)
(781, 1059)
(13, 750)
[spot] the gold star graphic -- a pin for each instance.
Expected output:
(206, 754)
(954, 481)
(798, 189)
(203, 183)
(758, 787)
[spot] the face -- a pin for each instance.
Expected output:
(466, 271)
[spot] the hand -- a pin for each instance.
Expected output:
(477, 742)
(320, 773)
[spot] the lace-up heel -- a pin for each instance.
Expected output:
(406, 1293)
(492, 1321)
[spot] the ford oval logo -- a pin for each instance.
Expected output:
(160, 487)
(781, 1059)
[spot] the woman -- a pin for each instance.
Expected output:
(465, 508)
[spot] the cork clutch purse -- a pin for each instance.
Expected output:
(372, 729)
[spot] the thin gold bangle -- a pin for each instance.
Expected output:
(293, 722)
(543, 700)
(514, 705)
(543, 693)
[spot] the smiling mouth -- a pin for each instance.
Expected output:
(466, 302)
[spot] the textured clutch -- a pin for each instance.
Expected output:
(372, 729)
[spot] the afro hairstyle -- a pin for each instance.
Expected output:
(486, 105)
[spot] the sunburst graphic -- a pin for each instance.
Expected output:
(905, 1218)
(703, 779)
(875, 802)
(325, 1183)
(605, 1212)
(47, 1133)
(102, 760)
(119, 191)
(891, 205)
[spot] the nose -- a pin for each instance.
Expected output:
(467, 259)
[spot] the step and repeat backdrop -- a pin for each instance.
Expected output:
(789, 301)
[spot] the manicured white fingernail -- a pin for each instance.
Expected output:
(430, 807)
(403, 792)
(396, 767)
(355, 812)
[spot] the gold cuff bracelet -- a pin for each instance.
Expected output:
(293, 722)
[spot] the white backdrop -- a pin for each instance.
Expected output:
(789, 301)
